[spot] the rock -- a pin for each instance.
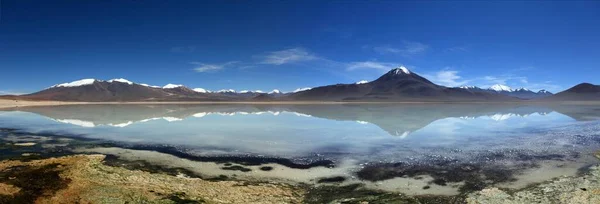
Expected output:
(568, 190)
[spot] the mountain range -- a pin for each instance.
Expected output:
(399, 84)
(522, 93)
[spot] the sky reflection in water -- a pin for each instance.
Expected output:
(364, 132)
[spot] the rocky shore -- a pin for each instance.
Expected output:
(53, 168)
(87, 179)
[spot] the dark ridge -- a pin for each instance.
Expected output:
(243, 160)
(237, 168)
(266, 168)
(356, 193)
(114, 161)
(336, 179)
(181, 198)
(584, 88)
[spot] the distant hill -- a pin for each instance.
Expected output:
(521, 93)
(93, 90)
(580, 92)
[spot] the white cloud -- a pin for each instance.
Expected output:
(287, 56)
(384, 66)
(446, 77)
(408, 49)
(202, 67)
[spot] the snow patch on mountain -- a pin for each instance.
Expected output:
(401, 70)
(200, 90)
(500, 88)
(275, 91)
(362, 82)
(226, 91)
(468, 87)
(146, 85)
(82, 82)
(544, 91)
(255, 91)
(121, 80)
(172, 86)
(522, 89)
(301, 89)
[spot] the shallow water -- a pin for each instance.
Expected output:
(390, 141)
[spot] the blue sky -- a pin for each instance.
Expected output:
(288, 45)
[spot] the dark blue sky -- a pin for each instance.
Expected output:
(287, 45)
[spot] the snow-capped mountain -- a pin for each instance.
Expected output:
(226, 91)
(500, 88)
(82, 82)
(399, 84)
(275, 91)
(255, 91)
(522, 93)
(544, 92)
(201, 90)
(172, 86)
(121, 80)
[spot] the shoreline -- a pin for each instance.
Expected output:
(72, 164)
(7, 103)
(94, 177)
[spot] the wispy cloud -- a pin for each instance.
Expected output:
(2, 92)
(408, 49)
(452, 78)
(447, 77)
(547, 85)
(203, 67)
(287, 56)
(181, 49)
(520, 81)
(523, 68)
(383, 66)
(488, 81)
(457, 49)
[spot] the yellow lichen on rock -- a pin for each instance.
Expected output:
(6, 189)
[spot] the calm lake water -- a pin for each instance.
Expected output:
(358, 136)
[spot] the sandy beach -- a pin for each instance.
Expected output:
(5, 103)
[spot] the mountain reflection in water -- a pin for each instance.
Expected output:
(359, 131)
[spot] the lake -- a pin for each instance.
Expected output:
(411, 148)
